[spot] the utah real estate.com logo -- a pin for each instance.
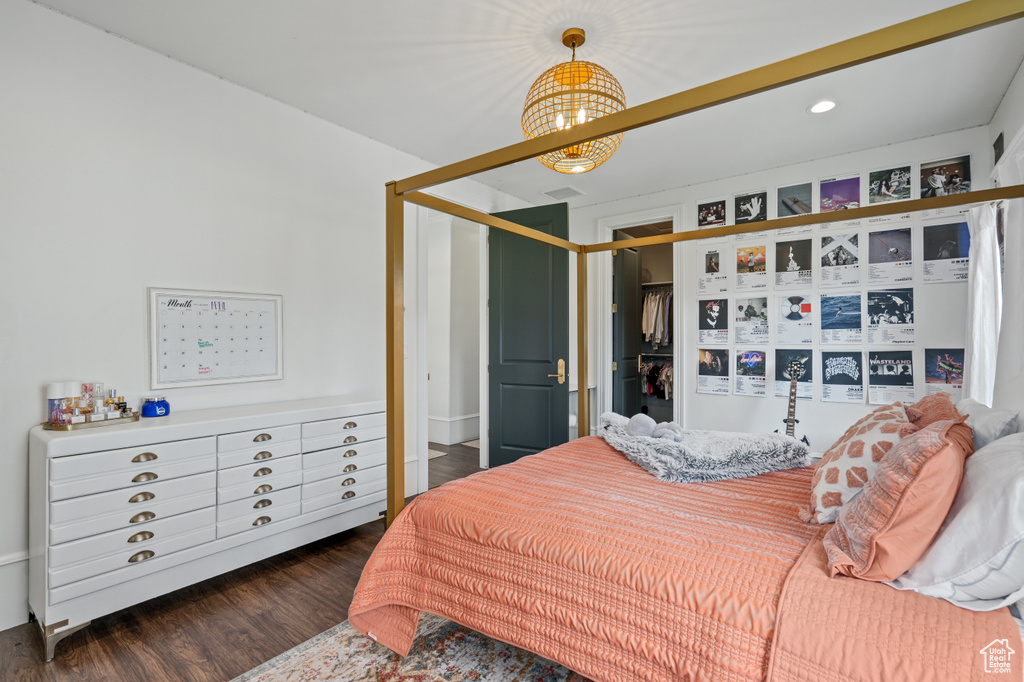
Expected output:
(997, 656)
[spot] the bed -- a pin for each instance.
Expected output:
(583, 557)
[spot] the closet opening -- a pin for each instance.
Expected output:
(643, 325)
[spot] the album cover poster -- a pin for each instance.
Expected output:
(840, 194)
(713, 371)
(892, 184)
(840, 260)
(890, 256)
(713, 321)
(944, 371)
(890, 377)
(711, 214)
(751, 320)
(750, 373)
(712, 278)
(891, 316)
(946, 252)
(841, 318)
(794, 267)
(795, 321)
(751, 208)
(805, 374)
(842, 377)
(946, 176)
(794, 200)
(751, 267)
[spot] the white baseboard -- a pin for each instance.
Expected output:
(13, 590)
(448, 431)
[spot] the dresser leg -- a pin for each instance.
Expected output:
(56, 632)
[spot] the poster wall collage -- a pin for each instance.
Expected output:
(847, 287)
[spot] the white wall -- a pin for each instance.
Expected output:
(1009, 116)
(940, 307)
(122, 169)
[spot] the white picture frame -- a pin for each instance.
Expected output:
(205, 338)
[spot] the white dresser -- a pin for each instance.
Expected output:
(121, 514)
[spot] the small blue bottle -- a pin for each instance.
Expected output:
(155, 407)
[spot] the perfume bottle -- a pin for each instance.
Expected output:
(54, 400)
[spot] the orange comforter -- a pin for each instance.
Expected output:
(583, 557)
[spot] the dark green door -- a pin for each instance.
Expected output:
(528, 336)
(626, 295)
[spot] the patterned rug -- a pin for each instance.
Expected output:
(434, 454)
(442, 652)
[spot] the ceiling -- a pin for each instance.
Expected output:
(445, 80)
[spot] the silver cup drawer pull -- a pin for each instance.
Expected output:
(141, 556)
(351, 439)
(261, 520)
(142, 516)
(144, 457)
(351, 425)
(265, 488)
(349, 481)
(263, 455)
(348, 495)
(350, 453)
(142, 478)
(263, 503)
(141, 497)
(141, 537)
(263, 471)
(262, 437)
(350, 467)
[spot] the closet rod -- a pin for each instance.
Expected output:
(657, 355)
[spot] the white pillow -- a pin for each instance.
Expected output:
(988, 424)
(977, 559)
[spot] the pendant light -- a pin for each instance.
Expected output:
(569, 95)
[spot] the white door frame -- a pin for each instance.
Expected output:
(604, 272)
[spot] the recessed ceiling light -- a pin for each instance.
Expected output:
(822, 106)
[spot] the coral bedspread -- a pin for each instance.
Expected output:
(583, 557)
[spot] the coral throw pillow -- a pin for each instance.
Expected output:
(888, 527)
(845, 468)
(933, 408)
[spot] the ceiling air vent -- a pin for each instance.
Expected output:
(563, 193)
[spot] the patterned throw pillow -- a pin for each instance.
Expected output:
(932, 408)
(845, 469)
(889, 526)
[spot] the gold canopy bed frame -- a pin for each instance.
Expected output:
(925, 30)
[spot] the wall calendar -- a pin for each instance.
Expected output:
(200, 338)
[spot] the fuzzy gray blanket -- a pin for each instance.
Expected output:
(705, 455)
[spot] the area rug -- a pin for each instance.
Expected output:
(473, 443)
(434, 454)
(442, 652)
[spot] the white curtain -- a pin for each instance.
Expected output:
(984, 306)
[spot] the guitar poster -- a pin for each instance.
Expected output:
(713, 371)
(750, 373)
(805, 383)
(944, 371)
(794, 323)
(842, 377)
(841, 318)
(890, 377)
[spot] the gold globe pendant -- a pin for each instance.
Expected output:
(569, 95)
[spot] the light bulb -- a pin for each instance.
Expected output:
(578, 169)
(581, 117)
(560, 122)
(822, 107)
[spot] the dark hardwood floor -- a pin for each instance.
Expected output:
(222, 627)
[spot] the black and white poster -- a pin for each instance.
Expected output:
(713, 321)
(794, 200)
(713, 371)
(794, 322)
(890, 256)
(841, 318)
(842, 376)
(890, 377)
(751, 320)
(944, 371)
(840, 260)
(891, 316)
(800, 362)
(750, 373)
(751, 208)
(712, 278)
(794, 267)
(711, 213)
(751, 267)
(946, 252)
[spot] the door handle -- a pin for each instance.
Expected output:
(561, 371)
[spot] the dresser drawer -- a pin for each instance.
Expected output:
(337, 432)
(268, 501)
(263, 452)
(243, 440)
(134, 520)
(131, 501)
(257, 519)
(137, 460)
(335, 461)
(227, 478)
(134, 556)
(260, 486)
(371, 493)
(344, 483)
(129, 538)
(133, 478)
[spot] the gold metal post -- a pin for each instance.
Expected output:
(395, 247)
(582, 388)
